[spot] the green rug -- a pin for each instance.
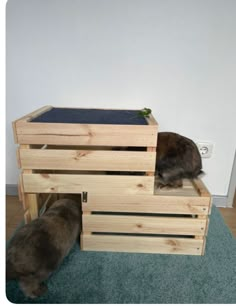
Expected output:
(103, 277)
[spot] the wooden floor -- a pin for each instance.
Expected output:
(229, 215)
(14, 215)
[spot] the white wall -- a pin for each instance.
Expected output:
(175, 56)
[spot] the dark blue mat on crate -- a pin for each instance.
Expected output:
(91, 116)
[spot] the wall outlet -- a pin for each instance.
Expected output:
(205, 149)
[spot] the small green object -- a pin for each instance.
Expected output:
(145, 112)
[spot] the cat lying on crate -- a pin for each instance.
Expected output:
(177, 158)
(38, 248)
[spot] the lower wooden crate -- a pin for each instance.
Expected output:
(166, 222)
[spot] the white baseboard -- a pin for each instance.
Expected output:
(11, 190)
(220, 201)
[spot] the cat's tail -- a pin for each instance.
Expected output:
(201, 173)
(194, 175)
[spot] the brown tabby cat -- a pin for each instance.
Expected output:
(177, 158)
(38, 248)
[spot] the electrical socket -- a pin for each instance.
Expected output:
(205, 149)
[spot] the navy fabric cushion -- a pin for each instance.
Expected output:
(91, 116)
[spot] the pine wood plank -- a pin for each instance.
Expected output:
(73, 129)
(86, 134)
(143, 225)
(97, 184)
(201, 188)
(18, 159)
(34, 114)
(27, 217)
(151, 120)
(19, 189)
(141, 244)
(147, 204)
(153, 151)
(14, 131)
(87, 160)
(31, 202)
(26, 118)
(203, 247)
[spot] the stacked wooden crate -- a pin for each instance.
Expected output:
(113, 167)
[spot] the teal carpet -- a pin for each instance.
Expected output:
(101, 278)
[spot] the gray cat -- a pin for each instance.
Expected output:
(38, 248)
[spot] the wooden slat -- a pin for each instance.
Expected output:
(147, 204)
(30, 200)
(143, 225)
(27, 217)
(203, 218)
(203, 247)
(151, 120)
(153, 151)
(14, 131)
(86, 134)
(25, 203)
(18, 158)
(118, 140)
(26, 118)
(87, 160)
(21, 194)
(35, 113)
(97, 184)
(207, 226)
(142, 244)
(31, 203)
(85, 214)
(201, 188)
(73, 129)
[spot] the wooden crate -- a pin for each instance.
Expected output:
(113, 167)
(169, 221)
(64, 157)
(55, 133)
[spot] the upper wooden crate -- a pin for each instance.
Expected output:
(86, 127)
(69, 150)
